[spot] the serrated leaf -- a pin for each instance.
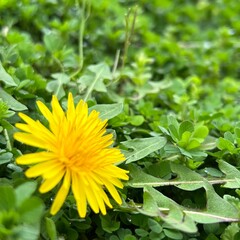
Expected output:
(217, 209)
(140, 179)
(141, 147)
(108, 111)
(230, 232)
(6, 78)
(231, 172)
(188, 179)
(175, 215)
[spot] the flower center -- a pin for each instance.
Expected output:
(75, 163)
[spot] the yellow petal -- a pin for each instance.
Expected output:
(81, 115)
(98, 184)
(49, 173)
(31, 158)
(113, 172)
(78, 189)
(57, 109)
(26, 119)
(41, 168)
(45, 111)
(98, 193)
(49, 116)
(29, 139)
(24, 127)
(112, 190)
(62, 194)
(71, 108)
(92, 199)
(50, 183)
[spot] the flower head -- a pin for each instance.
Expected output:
(76, 152)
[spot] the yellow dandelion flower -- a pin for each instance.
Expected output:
(76, 152)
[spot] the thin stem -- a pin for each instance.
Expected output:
(115, 64)
(129, 32)
(9, 147)
(90, 89)
(85, 10)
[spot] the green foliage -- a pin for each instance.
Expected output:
(20, 213)
(165, 74)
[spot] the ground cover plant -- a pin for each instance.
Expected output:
(119, 120)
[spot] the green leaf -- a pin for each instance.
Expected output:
(136, 120)
(211, 237)
(51, 229)
(7, 199)
(5, 157)
(154, 226)
(213, 172)
(6, 78)
(200, 132)
(185, 126)
(140, 179)
(186, 179)
(11, 102)
(173, 234)
(231, 174)
(142, 147)
(237, 132)
(174, 132)
(27, 231)
(150, 206)
(218, 209)
(175, 215)
(230, 232)
(31, 210)
(56, 86)
(193, 143)
(94, 79)
(223, 144)
(53, 41)
(24, 191)
(229, 136)
(109, 225)
(209, 143)
(108, 111)
(141, 232)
